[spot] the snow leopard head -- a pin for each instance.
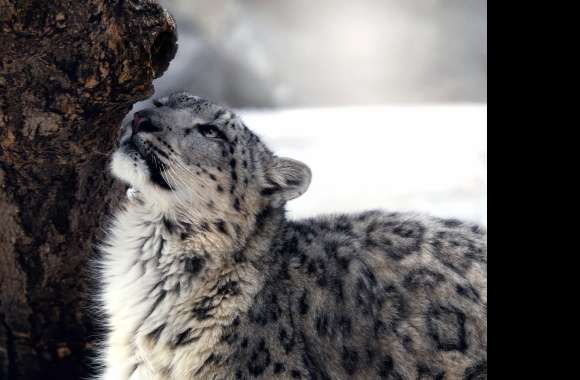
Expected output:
(187, 153)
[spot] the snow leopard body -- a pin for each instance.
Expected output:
(202, 276)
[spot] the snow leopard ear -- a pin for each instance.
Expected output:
(286, 179)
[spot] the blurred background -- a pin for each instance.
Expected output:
(385, 100)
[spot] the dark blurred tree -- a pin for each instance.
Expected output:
(69, 72)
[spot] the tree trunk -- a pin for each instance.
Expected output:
(69, 72)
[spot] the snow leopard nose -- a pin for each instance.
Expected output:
(142, 123)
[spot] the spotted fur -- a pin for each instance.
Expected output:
(203, 277)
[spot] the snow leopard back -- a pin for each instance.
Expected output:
(368, 296)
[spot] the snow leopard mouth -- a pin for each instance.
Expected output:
(154, 164)
(131, 148)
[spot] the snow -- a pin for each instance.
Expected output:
(422, 158)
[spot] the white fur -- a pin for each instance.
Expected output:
(139, 255)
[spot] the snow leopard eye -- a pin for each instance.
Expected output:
(211, 131)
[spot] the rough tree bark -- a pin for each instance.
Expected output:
(69, 72)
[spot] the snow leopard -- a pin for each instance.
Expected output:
(203, 276)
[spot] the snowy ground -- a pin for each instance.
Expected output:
(421, 158)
